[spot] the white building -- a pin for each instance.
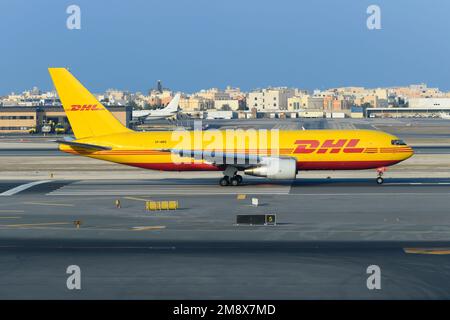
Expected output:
(429, 103)
(229, 104)
(213, 94)
(270, 99)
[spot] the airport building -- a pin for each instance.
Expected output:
(417, 107)
(23, 119)
(429, 103)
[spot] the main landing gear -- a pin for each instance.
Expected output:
(233, 181)
(380, 172)
(230, 177)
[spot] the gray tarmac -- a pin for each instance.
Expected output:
(328, 233)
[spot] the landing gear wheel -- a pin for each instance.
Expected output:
(224, 182)
(234, 181)
(380, 180)
(239, 178)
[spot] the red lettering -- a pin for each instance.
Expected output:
(303, 144)
(350, 147)
(335, 147)
(84, 107)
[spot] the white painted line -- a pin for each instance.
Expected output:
(145, 228)
(23, 187)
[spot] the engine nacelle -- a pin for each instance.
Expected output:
(274, 168)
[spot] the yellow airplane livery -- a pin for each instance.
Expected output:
(274, 154)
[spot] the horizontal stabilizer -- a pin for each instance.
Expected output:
(82, 145)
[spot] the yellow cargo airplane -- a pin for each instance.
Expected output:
(277, 155)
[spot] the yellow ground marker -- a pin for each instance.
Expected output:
(161, 205)
(33, 224)
(137, 199)
(241, 197)
(143, 228)
(427, 250)
(50, 204)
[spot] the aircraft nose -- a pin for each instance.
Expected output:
(409, 152)
(401, 147)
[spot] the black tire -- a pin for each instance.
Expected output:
(239, 178)
(380, 180)
(224, 182)
(234, 181)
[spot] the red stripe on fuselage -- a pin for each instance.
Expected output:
(344, 165)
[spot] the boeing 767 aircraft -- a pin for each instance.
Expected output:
(275, 154)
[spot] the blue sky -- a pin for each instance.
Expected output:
(195, 44)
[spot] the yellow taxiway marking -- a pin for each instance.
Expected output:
(148, 228)
(137, 199)
(50, 204)
(427, 250)
(10, 211)
(34, 224)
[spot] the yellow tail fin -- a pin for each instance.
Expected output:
(87, 116)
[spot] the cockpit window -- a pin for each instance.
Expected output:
(398, 143)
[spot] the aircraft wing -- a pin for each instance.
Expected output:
(243, 160)
(82, 145)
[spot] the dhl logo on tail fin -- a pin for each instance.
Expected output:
(76, 98)
(84, 107)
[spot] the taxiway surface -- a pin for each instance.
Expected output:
(328, 233)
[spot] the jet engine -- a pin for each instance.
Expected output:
(274, 168)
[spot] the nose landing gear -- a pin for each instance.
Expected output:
(380, 180)
(380, 172)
